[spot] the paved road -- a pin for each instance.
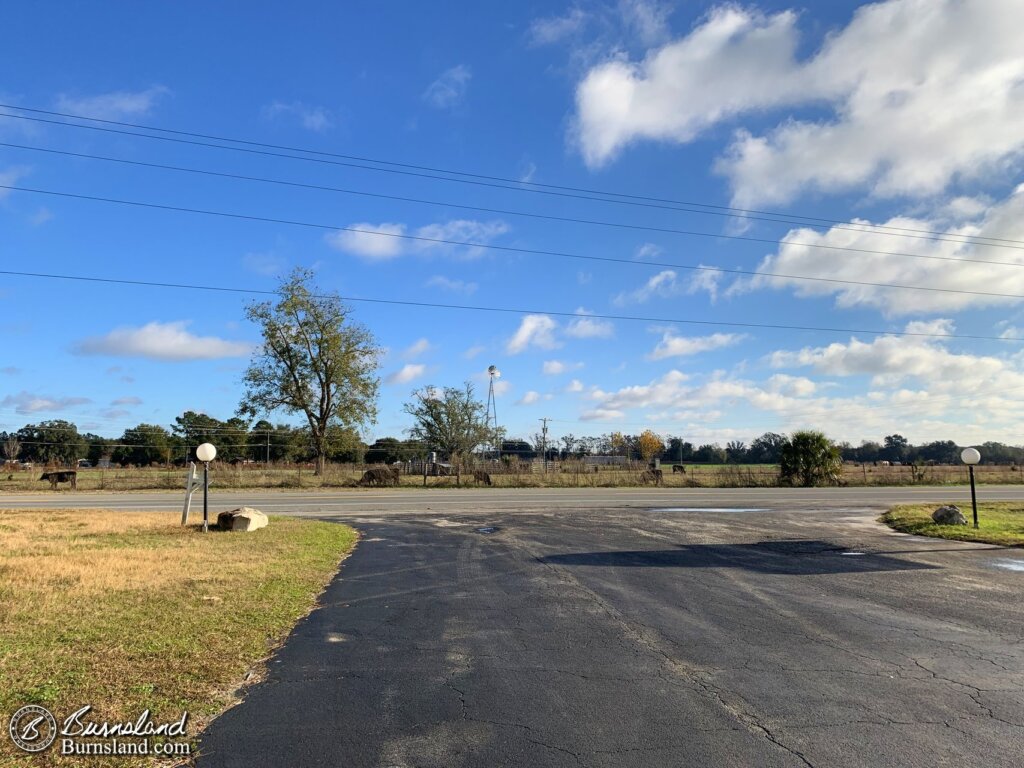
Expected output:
(439, 500)
(805, 635)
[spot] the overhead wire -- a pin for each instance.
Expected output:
(493, 181)
(531, 251)
(513, 310)
(484, 209)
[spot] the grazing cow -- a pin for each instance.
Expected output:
(678, 468)
(655, 476)
(482, 477)
(379, 476)
(61, 476)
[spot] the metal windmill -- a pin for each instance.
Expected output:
(491, 417)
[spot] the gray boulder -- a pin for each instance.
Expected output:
(242, 519)
(949, 515)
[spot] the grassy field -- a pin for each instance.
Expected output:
(131, 611)
(563, 474)
(999, 523)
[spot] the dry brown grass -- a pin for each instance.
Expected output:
(130, 611)
(560, 475)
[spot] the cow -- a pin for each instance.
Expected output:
(61, 476)
(380, 476)
(678, 469)
(655, 476)
(482, 477)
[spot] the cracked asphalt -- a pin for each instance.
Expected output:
(625, 637)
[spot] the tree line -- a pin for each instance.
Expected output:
(320, 367)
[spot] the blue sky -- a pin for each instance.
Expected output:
(907, 114)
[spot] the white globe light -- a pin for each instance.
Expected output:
(206, 452)
(970, 456)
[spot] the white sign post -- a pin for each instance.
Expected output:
(191, 485)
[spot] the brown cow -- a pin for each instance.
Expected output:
(61, 476)
(379, 476)
(482, 477)
(655, 476)
(678, 468)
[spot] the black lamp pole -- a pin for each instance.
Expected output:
(206, 497)
(974, 498)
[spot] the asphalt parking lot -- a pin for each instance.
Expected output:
(645, 635)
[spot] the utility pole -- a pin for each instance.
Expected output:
(544, 442)
(268, 448)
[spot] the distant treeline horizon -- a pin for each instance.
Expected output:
(239, 440)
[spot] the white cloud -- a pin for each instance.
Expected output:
(374, 242)
(114, 413)
(474, 351)
(574, 386)
(312, 118)
(553, 29)
(556, 367)
(116, 105)
(735, 61)
(459, 231)
(380, 242)
(454, 286)
(920, 92)
(267, 264)
(794, 386)
(407, 373)
(161, 341)
(529, 398)
(26, 402)
(10, 177)
(648, 19)
(602, 414)
(127, 401)
(533, 331)
(449, 88)
(681, 346)
(928, 263)
(585, 327)
(419, 347)
(40, 217)
(890, 360)
(666, 284)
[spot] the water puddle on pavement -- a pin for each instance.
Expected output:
(1009, 564)
(708, 509)
(487, 529)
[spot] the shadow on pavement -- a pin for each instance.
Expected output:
(796, 558)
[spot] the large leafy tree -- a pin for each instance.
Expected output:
(450, 420)
(143, 445)
(649, 445)
(194, 429)
(809, 458)
(314, 361)
(52, 441)
(766, 448)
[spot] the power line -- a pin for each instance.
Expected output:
(512, 310)
(539, 252)
(448, 204)
(492, 181)
(944, 238)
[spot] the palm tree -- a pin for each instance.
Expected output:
(809, 458)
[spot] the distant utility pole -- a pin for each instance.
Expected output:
(268, 447)
(544, 442)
